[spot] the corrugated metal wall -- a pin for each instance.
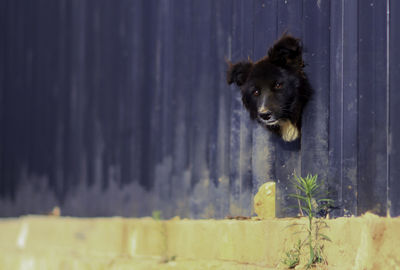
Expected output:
(121, 107)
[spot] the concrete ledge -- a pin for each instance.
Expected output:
(41, 242)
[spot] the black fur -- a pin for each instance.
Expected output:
(275, 89)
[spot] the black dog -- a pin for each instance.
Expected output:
(275, 89)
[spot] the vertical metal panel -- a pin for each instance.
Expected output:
(287, 156)
(372, 120)
(3, 5)
(350, 110)
(241, 126)
(336, 99)
(263, 150)
(164, 61)
(122, 108)
(3, 66)
(180, 74)
(203, 113)
(219, 193)
(343, 105)
(314, 140)
(393, 107)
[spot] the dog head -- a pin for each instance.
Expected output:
(275, 88)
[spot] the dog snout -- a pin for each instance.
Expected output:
(266, 115)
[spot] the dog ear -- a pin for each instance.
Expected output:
(238, 73)
(287, 52)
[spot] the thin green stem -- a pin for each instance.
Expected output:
(307, 195)
(310, 232)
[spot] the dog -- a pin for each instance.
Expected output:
(275, 89)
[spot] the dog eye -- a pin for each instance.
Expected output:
(256, 93)
(278, 85)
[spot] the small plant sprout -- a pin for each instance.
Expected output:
(156, 215)
(308, 195)
(292, 257)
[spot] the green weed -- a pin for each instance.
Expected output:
(292, 257)
(310, 203)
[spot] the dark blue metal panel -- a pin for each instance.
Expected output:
(203, 113)
(372, 120)
(164, 61)
(3, 26)
(336, 131)
(181, 76)
(122, 108)
(241, 127)
(393, 107)
(220, 189)
(349, 82)
(290, 13)
(314, 140)
(287, 156)
(343, 105)
(263, 150)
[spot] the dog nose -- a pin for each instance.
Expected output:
(266, 115)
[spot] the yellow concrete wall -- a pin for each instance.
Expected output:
(41, 242)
